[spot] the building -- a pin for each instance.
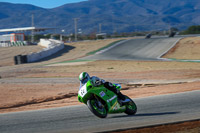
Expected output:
(17, 39)
(14, 39)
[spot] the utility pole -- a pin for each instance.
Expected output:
(113, 23)
(32, 34)
(100, 28)
(75, 28)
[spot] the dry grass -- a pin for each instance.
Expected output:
(187, 48)
(7, 53)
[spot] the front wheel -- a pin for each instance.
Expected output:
(131, 107)
(97, 108)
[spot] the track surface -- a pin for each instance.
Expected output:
(137, 49)
(151, 111)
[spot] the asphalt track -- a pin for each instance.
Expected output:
(151, 111)
(137, 49)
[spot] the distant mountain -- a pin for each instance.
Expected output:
(113, 15)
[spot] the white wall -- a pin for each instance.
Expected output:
(51, 47)
(44, 43)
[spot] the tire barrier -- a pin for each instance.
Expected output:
(20, 59)
(13, 44)
(18, 43)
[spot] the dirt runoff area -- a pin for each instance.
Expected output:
(49, 84)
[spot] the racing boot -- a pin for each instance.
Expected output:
(122, 99)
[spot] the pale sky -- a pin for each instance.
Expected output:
(43, 3)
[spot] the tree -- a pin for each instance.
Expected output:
(195, 29)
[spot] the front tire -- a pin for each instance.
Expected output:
(97, 110)
(131, 107)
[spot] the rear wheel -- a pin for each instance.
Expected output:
(97, 108)
(131, 107)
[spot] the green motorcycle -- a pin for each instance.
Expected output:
(102, 101)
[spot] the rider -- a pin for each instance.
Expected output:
(84, 77)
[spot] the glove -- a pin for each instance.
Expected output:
(96, 81)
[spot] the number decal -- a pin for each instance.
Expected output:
(83, 91)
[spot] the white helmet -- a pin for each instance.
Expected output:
(84, 77)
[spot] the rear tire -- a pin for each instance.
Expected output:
(131, 107)
(100, 112)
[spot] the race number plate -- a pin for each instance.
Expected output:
(82, 91)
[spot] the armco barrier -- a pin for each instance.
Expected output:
(52, 47)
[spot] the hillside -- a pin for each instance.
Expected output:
(114, 15)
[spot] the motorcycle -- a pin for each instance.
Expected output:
(102, 101)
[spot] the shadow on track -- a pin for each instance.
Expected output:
(147, 114)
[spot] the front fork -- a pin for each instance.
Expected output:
(99, 102)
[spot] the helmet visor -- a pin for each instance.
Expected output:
(85, 80)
